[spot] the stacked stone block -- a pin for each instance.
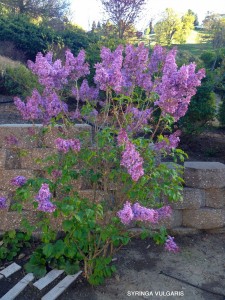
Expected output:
(203, 206)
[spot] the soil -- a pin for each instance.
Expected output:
(207, 146)
(145, 270)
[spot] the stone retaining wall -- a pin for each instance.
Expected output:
(202, 208)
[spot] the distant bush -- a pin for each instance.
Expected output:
(221, 113)
(202, 109)
(213, 59)
(19, 80)
(27, 37)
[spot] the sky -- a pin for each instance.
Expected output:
(86, 11)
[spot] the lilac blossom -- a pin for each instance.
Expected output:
(177, 86)
(86, 93)
(54, 106)
(43, 199)
(164, 212)
(41, 107)
(170, 245)
(31, 110)
(3, 203)
(46, 206)
(136, 212)
(19, 181)
(66, 145)
(132, 161)
(52, 75)
(76, 66)
(126, 214)
(144, 214)
(135, 67)
(108, 72)
(157, 59)
(169, 142)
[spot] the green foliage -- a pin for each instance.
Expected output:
(28, 37)
(74, 38)
(11, 244)
(35, 8)
(160, 237)
(208, 57)
(202, 108)
(19, 81)
(221, 113)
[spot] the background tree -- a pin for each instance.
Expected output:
(123, 13)
(196, 22)
(171, 28)
(34, 8)
(215, 25)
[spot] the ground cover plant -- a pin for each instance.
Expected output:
(132, 107)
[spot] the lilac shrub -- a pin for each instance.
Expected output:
(132, 106)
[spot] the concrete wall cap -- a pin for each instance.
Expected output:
(204, 165)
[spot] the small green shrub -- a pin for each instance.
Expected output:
(202, 109)
(19, 80)
(11, 243)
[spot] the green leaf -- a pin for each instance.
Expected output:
(48, 249)
(38, 270)
(12, 234)
(58, 249)
(71, 267)
(67, 225)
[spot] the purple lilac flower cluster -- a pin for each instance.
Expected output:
(3, 203)
(131, 158)
(76, 67)
(169, 142)
(108, 72)
(174, 86)
(132, 161)
(135, 67)
(170, 245)
(164, 212)
(85, 93)
(52, 75)
(66, 145)
(19, 181)
(43, 199)
(157, 59)
(144, 214)
(177, 86)
(40, 107)
(136, 212)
